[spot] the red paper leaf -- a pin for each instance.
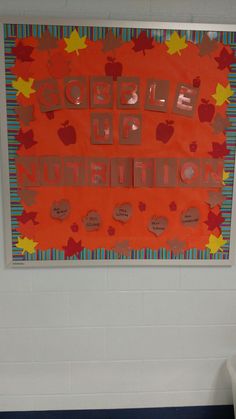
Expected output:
(142, 43)
(73, 248)
(225, 59)
(22, 69)
(23, 52)
(219, 150)
(58, 65)
(28, 216)
(214, 221)
(26, 139)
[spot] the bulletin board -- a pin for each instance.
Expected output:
(118, 142)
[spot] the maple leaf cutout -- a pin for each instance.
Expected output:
(23, 52)
(26, 244)
(25, 114)
(74, 43)
(26, 139)
(219, 150)
(73, 248)
(225, 176)
(23, 86)
(28, 196)
(220, 123)
(47, 41)
(22, 69)
(28, 216)
(142, 43)
(122, 249)
(225, 59)
(222, 94)
(214, 220)
(215, 198)
(207, 45)
(111, 42)
(176, 246)
(215, 243)
(176, 44)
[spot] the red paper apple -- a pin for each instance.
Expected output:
(206, 111)
(196, 82)
(164, 131)
(193, 146)
(67, 134)
(113, 68)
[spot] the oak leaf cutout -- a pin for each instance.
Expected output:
(23, 52)
(176, 44)
(215, 243)
(225, 59)
(47, 41)
(222, 94)
(74, 43)
(142, 43)
(207, 46)
(23, 86)
(26, 244)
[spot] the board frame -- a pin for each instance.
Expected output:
(4, 149)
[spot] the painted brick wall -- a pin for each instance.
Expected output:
(110, 338)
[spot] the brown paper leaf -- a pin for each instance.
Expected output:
(157, 225)
(111, 42)
(190, 217)
(60, 209)
(207, 45)
(122, 248)
(27, 196)
(220, 123)
(25, 114)
(122, 213)
(176, 246)
(47, 41)
(92, 221)
(215, 198)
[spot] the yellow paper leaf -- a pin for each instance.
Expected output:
(23, 86)
(215, 243)
(222, 94)
(225, 176)
(27, 245)
(176, 44)
(74, 42)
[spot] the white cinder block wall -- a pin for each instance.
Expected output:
(108, 337)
